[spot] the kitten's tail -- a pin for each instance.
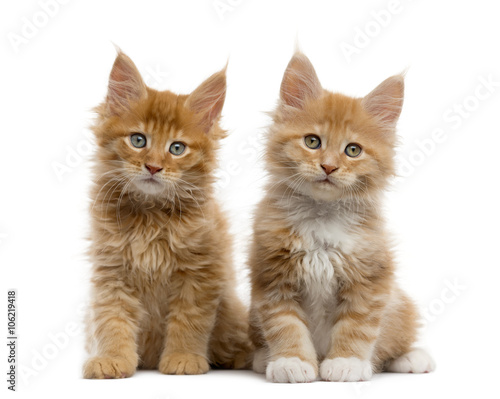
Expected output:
(230, 345)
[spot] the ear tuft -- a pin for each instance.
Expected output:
(125, 84)
(208, 99)
(385, 102)
(300, 82)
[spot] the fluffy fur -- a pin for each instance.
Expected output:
(324, 296)
(163, 289)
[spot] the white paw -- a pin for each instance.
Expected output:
(349, 369)
(416, 361)
(260, 361)
(290, 369)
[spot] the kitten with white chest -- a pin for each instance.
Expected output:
(324, 298)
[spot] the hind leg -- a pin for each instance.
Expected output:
(395, 350)
(415, 361)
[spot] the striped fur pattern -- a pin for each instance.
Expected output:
(162, 283)
(324, 298)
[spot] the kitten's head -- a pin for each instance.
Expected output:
(155, 142)
(330, 146)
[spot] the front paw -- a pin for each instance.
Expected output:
(183, 363)
(346, 369)
(290, 369)
(108, 367)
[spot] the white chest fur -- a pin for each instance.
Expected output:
(328, 233)
(320, 284)
(328, 224)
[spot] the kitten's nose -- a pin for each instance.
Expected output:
(153, 169)
(328, 168)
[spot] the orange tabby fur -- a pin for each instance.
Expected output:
(163, 288)
(324, 296)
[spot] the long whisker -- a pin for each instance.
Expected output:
(115, 180)
(122, 193)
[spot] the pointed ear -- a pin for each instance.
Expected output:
(125, 84)
(300, 82)
(386, 101)
(208, 99)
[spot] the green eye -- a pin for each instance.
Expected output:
(312, 141)
(177, 148)
(352, 150)
(138, 140)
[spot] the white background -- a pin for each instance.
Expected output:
(443, 210)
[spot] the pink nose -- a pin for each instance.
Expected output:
(328, 168)
(153, 169)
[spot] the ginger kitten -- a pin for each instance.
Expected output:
(324, 295)
(163, 287)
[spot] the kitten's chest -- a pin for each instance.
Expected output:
(326, 245)
(328, 237)
(320, 279)
(148, 243)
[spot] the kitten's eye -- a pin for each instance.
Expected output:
(312, 141)
(177, 148)
(352, 150)
(138, 140)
